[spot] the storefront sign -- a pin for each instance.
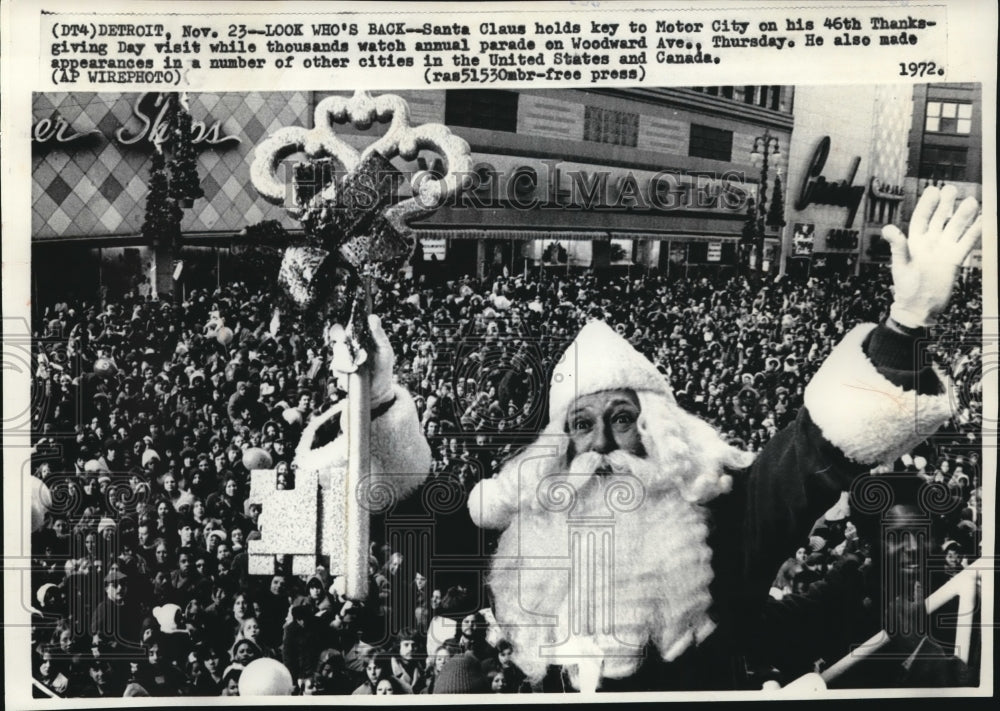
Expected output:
(883, 199)
(530, 183)
(816, 190)
(802, 239)
(842, 239)
(151, 110)
(56, 130)
(714, 252)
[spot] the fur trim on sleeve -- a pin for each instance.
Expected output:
(399, 449)
(401, 456)
(858, 410)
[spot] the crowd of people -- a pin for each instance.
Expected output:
(150, 414)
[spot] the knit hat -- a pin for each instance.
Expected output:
(106, 524)
(462, 674)
(949, 544)
(600, 359)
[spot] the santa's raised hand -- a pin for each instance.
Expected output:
(345, 362)
(924, 265)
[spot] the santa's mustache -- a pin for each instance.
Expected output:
(612, 463)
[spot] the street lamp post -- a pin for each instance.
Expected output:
(761, 155)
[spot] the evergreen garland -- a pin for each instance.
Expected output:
(776, 213)
(161, 224)
(749, 231)
(184, 182)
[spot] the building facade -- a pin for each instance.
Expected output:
(860, 157)
(644, 178)
(946, 144)
(848, 162)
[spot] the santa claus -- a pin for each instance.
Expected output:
(631, 529)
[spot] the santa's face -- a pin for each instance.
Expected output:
(646, 486)
(604, 422)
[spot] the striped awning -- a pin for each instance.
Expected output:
(666, 236)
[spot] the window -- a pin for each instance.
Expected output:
(775, 98)
(708, 142)
(491, 109)
(725, 92)
(749, 94)
(619, 128)
(943, 163)
(948, 117)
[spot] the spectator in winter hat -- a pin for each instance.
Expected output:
(462, 674)
(116, 620)
(244, 651)
(231, 680)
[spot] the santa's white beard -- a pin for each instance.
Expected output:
(601, 563)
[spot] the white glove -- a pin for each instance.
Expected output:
(925, 265)
(381, 364)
